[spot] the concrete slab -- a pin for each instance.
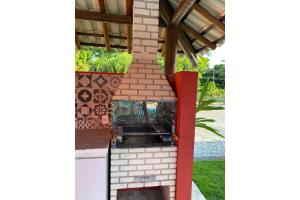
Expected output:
(196, 193)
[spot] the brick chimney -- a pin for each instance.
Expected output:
(144, 79)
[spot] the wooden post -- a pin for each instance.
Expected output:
(128, 11)
(170, 49)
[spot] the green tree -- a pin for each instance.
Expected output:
(101, 60)
(220, 75)
(82, 59)
(217, 74)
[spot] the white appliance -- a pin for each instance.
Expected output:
(91, 174)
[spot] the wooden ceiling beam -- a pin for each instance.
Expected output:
(104, 25)
(109, 18)
(128, 12)
(101, 35)
(209, 17)
(110, 36)
(215, 42)
(178, 51)
(181, 11)
(102, 45)
(166, 12)
(222, 19)
(202, 39)
(188, 49)
(169, 50)
(77, 41)
(103, 17)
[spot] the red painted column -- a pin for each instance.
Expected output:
(186, 89)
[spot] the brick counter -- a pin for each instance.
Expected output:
(143, 167)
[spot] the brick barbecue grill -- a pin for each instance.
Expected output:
(143, 154)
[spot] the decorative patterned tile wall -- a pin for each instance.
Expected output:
(94, 93)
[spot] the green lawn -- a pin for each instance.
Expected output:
(209, 176)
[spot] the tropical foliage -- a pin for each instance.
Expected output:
(206, 105)
(217, 74)
(101, 60)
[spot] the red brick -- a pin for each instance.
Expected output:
(139, 4)
(153, 76)
(172, 94)
(137, 65)
(153, 66)
(146, 92)
(169, 98)
(144, 61)
(120, 97)
(152, 28)
(138, 11)
(137, 86)
(124, 86)
(151, 49)
(154, 13)
(145, 81)
(161, 82)
(151, 21)
(145, 55)
(139, 27)
(166, 87)
(162, 93)
(154, 35)
(154, 87)
(150, 43)
(132, 70)
(153, 5)
(137, 20)
(137, 76)
(146, 71)
(136, 48)
(157, 71)
(136, 41)
(137, 98)
(129, 80)
(141, 34)
(156, 98)
(129, 92)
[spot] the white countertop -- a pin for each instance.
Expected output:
(91, 153)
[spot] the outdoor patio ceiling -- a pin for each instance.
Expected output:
(108, 23)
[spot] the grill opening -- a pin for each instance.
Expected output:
(137, 141)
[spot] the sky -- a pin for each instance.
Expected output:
(216, 56)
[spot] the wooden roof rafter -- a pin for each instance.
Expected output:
(77, 41)
(101, 35)
(110, 36)
(201, 38)
(128, 12)
(178, 15)
(102, 45)
(103, 17)
(104, 25)
(215, 42)
(181, 11)
(198, 8)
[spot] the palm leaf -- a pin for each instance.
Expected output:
(203, 93)
(204, 120)
(202, 125)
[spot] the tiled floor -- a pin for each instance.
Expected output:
(149, 194)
